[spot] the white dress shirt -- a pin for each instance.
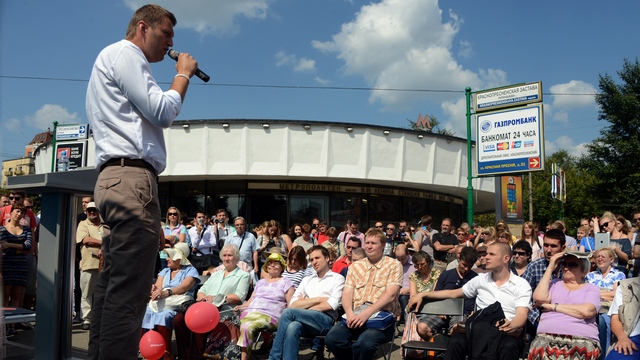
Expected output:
(514, 293)
(203, 241)
(330, 285)
(126, 108)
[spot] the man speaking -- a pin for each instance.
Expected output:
(127, 111)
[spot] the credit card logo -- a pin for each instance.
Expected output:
(503, 146)
(516, 144)
(488, 148)
(528, 143)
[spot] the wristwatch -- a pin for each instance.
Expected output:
(171, 293)
(555, 307)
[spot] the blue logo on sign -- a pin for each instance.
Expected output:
(516, 144)
(82, 130)
(485, 126)
(528, 143)
(488, 148)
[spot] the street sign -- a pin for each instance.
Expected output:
(510, 141)
(508, 96)
(72, 132)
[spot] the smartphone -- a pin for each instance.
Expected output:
(424, 228)
(602, 240)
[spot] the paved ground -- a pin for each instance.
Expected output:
(80, 342)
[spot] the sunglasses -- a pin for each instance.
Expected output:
(92, 210)
(352, 247)
(519, 253)
(605, 225)
(29, 207)
(379, 227)
(461, 234)
(172, 214)
(15, 197)
(569, 264)
(390, 229)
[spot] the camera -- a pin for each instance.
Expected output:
(219, 221)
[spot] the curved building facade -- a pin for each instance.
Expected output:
(293, 171)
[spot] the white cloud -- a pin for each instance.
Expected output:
(210, 16)
(574, 94)
(12, 124)
(565, 143)
(456, 112)
(466, 50)
(406, 44)
(321, 81)
(48, 113)
(299, 65)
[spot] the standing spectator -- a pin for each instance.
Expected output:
(4, 200)
(29, 301)
(15, 240)
(273, 236)
(295, 231)
(444, 244)
(373, 282)
(321, 233)
(203, 241)
(247, 244)
(89, 235)
(174, 232)
(351, 229)
(130, 153)
(422, 240)
(305, 241)
(530, 235)
(222, 228)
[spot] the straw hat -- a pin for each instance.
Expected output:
(179, 252)
(274, 250)
(275, 257)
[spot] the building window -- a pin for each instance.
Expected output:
(303, 208)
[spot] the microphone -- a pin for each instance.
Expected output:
(199, 73)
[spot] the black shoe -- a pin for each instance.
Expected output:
(85, 327)
(77, 320)
(319, 354)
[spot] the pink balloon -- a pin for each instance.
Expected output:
(202, 317)
(152, 345)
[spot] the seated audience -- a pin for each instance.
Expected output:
(567, 328)
(263, 310)
(625, 322)
(407, 269)
(296, 268)
(333, 243)
(313, 308)
(178, 278)
(522, 252)
(372, 285)
(430, 325)
(356, 254)
(345, 261)
(587, 243)
(233, 283)
(605, 277)
(512, 293)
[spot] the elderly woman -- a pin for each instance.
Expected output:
(606, 278)
(15, 240)
(567, 328)
(177, 281)
(263, 310)
(521, 257)
(233, 283)
(174, 232)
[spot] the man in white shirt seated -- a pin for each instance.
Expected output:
(313, 307)
(500, 285)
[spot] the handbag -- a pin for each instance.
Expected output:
(410, 333)
(202, 262)
(222, 341)
(172, 302)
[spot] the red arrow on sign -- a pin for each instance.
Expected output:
(534, 163)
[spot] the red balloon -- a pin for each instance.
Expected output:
(202, 317)
(152, 345)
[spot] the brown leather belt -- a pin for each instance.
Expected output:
(139, 163)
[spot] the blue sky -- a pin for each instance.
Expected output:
(391, 44)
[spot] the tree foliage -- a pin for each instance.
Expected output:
(613, 157)
(435, 127)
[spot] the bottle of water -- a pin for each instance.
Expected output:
(63, 162)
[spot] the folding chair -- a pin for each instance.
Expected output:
(450, 307)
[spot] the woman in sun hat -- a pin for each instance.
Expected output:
(270, 297)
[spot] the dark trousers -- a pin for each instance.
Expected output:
(190, 345)
(127, 198)
(404, 301)
(458, 348)
(340, 337)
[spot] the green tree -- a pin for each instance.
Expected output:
(612, 158)
(579, 203)
(435, 127)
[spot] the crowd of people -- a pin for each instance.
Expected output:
(559, 295)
